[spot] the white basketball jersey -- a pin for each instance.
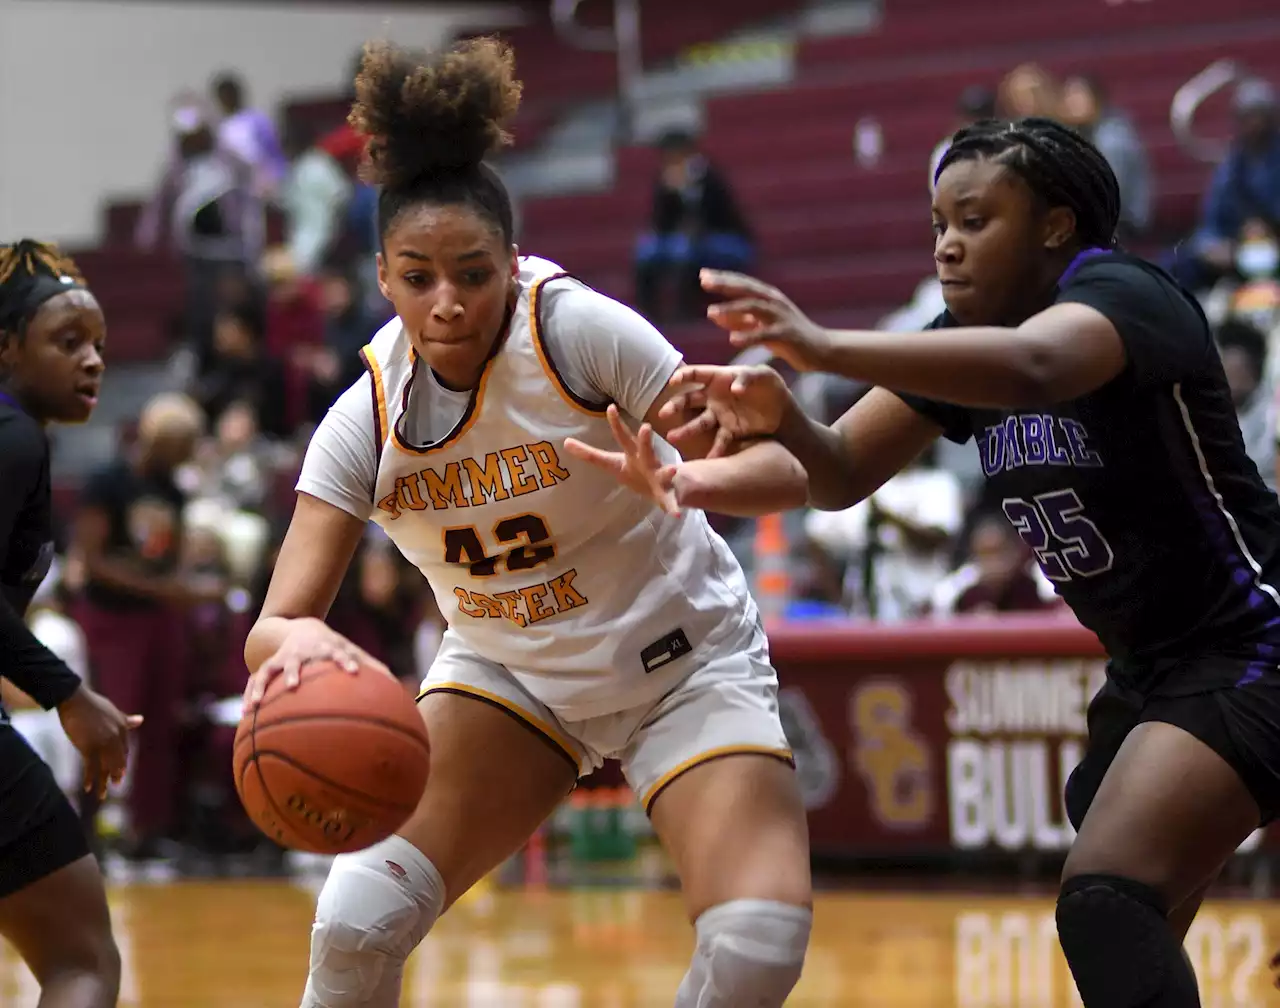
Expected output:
(591, 596)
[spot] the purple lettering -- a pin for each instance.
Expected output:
(1058, 454)
(1077, 442)
(1035, 439)
(1013, 449)
(991, 449)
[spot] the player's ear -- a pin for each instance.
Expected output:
(1059, 227)
(384, 278)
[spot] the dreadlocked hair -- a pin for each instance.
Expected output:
(21, 265)
(430, 124)
(30, 258)
(1059, 165)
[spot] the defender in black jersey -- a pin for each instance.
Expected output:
(53, 908)
(1098, 401)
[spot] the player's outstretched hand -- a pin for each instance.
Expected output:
(734, 403)
(307, 640)
(98, 729)
(757, 314)
(636, 466)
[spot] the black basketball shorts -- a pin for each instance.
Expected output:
(1240, 722)
(40, 832)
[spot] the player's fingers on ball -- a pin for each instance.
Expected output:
(348, 659)
(292, 670)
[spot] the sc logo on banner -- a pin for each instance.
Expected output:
(890, 756)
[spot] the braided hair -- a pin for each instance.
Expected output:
(31, 272)
(1059, 165)
(432, 122)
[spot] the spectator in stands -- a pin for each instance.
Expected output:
(207, 207)
(348, 326)
(239, 369)
(250, 134)
(128, 535)
(1086, 108)
(696, 223)
(1245, 186)
(894, 542)
(380, 605)
(314, 198)
(1244, 354)
(1029, 90)
(976, 103)
(1000, 576)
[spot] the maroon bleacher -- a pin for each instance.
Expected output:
(847, 242)
(853, 242)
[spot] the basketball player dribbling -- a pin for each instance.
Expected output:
(586, 621)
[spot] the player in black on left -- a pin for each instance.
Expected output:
(53, 906)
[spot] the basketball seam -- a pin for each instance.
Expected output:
(284, 758)
(279, 839)
(348, 718)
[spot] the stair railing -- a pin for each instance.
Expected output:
(622, 37)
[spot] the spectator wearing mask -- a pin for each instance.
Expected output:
(250, 134)
(1246, 185)
(1000, 576)
(1086, 108)
(1244, 355)
(696, 223)
(207, 207)
(128, 535)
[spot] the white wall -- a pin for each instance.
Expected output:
(86, 86)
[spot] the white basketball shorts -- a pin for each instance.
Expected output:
(728, 706)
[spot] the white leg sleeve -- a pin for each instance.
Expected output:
(750, 953)
(374, 909)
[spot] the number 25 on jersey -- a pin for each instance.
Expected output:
(1067, 545)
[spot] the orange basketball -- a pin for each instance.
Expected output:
(335, 765)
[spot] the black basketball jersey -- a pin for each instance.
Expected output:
(1138, 499)
(26, 552)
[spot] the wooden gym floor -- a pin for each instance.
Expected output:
(244, 945)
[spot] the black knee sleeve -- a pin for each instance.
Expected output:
(1117, 941)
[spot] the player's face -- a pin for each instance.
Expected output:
(450, 278)
(55, 369)
(995, 253)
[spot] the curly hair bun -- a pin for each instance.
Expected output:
(426, 116)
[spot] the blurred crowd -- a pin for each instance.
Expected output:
(172, 542)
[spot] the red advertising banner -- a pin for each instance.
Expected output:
(938, 737)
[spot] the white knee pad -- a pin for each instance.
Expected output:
(750, 953)
(374, 909)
